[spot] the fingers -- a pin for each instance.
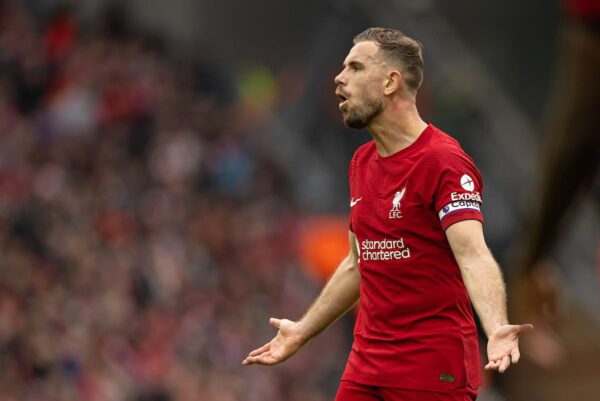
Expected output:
(500, 365)
(264, 359)
(515, 355)
(524, 328)
(257, 355)
(504, 364)
(260, 350)
(278, 349)
(492, 365)
(260, 355)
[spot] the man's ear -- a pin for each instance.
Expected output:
(393, 82)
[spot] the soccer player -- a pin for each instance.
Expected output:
(417, 251)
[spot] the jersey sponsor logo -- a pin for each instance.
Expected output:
(473, 196)
(467, 182)
(459, 205)
(386, 249)
(354, 202)
(395, 212)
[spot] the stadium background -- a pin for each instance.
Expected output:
(174, 173)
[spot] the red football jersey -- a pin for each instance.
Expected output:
(415, 327)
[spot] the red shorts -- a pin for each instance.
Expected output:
(350, 391)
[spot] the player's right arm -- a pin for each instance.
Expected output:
(339, 295)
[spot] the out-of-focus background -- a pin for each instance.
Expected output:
(173, 173)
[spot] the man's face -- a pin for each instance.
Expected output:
(360, 85)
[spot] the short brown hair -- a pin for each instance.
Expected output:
(398, 47)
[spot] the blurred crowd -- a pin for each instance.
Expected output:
(145, 235)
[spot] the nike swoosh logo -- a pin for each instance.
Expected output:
(354, 202)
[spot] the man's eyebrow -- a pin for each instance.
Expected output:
(352, 63)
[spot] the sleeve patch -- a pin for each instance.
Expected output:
(459, 205)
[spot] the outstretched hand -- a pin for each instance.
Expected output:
(503, 346)
(285, 344)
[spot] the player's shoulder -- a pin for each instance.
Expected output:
(443, 147)
(364, 152)
(442, 143)
(361, 157)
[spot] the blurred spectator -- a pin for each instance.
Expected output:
(143, 233)
(564, 344)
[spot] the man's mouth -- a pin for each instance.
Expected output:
(343, 100)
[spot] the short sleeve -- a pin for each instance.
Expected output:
(458, 194)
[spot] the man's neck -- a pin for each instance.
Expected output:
(396, 128)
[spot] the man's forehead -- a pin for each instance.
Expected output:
(362, 51)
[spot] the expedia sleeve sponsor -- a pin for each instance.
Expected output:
(459, 190)
(468, 196)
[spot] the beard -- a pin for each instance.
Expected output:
(361, 115)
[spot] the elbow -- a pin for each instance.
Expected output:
(350, 264)
(351, 267)
(470, 253)
(467, 269)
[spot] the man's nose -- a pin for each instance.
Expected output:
(339, 79)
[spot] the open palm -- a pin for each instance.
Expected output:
(503, 346)
(284, 345)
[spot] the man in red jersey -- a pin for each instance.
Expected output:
(417, 252)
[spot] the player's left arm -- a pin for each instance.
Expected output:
(485, 285)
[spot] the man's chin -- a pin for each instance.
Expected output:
(354, 123)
